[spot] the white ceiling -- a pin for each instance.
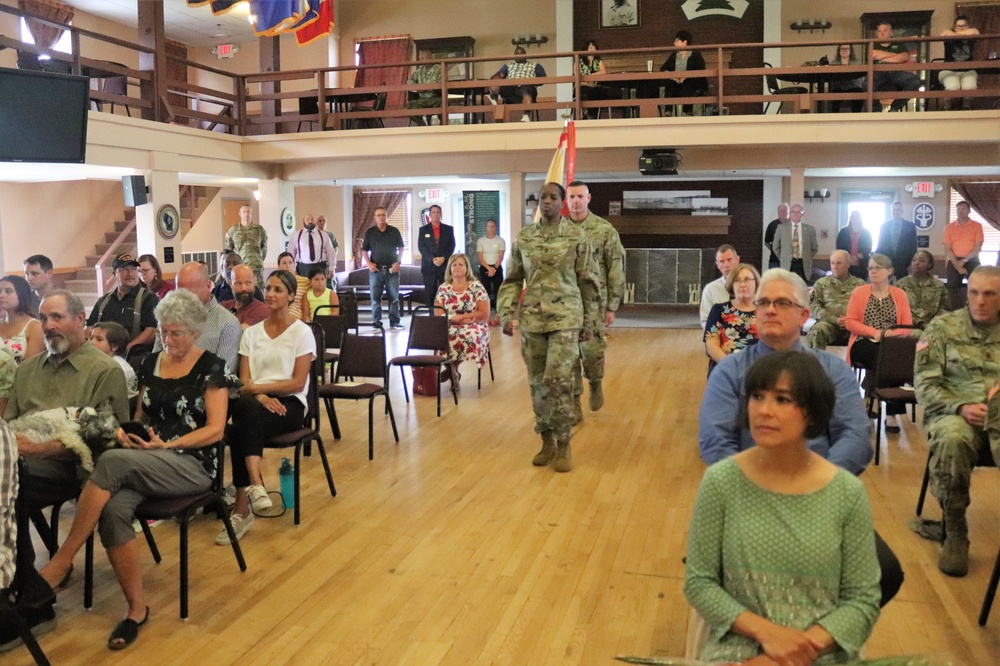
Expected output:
(195, 26)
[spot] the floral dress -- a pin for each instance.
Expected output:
(737, 329)
(176, 406)
(16, 344)
(471, 340)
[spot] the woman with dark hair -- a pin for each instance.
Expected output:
(286, 262)
(152, 276)
(781, 554)
(856, 241)
(845, 56)
(558, 310)
(927, 295)
(684, 60)
(275, 357)
(873, 308)
(20, 334)
(591, 90)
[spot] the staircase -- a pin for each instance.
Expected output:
(84, 281)
(194, 199)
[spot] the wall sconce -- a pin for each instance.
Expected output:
(529, 40)
(810, 25)
(822, 195)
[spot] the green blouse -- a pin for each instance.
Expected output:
(797, 560)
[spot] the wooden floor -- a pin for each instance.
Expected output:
(450, 548)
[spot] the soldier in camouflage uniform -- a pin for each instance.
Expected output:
(957, 363)
(249, 240)
(927, 295)
(828, 303)
(557, 312)
(609, 267)
(425, 99)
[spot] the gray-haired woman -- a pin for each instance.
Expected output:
(183, 400)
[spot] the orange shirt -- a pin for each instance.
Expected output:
(963, 237)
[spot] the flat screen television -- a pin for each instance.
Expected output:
(43, 116)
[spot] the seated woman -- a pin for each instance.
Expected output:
(856, 241)
(151, 276)
(684, 61)
(318, 294)
(286, 262)
(7, 368)
(781, 561)
(845, 56)
(927, 295)
(872, 308)
(732, 325)
(467, 304)
(183, 398)
(20, 334)
(275, 356)
(959, 51)
(592, 64)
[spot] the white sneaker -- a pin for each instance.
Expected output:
(241, 526)
(259, 500)
(525, 118)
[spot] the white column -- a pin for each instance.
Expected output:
(797, 186)
(564, 42)
(516, 204)
(275, 196)
(163, 190)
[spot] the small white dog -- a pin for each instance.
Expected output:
(85, 431)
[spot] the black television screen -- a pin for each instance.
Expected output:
(43, 117)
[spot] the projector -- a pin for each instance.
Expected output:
(659, 162)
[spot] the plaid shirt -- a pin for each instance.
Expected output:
(8, 493)
(523, 70)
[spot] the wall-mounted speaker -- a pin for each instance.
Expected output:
(134, 189)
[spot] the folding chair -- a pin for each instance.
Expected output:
(479, 371)
(360, 356)
(428, 332)
(893, 370)
(181, 508)
(334, 326)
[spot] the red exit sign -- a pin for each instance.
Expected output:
(923, 188)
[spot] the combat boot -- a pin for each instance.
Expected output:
(577, 411)
(596, 395)
(954, 560)
(548, 452)
(564, 456)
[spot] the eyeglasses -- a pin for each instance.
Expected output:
(877, 268)
(174, 335)
(781, 303)
(147, 270)
(744, 280)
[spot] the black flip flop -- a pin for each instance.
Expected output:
(126, 631)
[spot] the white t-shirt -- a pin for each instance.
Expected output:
(714, 292)
(131, 381)
(273, 360)
(491, 249)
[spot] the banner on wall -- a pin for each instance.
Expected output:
(478, 207)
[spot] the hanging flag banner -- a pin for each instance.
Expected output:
(308, 20)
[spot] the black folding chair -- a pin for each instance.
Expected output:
(893, 371)
(428, 333)
(334, 326)
(360, 356)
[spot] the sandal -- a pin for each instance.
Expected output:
(126, 631)
(446, 374)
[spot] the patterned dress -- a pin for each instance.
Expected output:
(176, 406)
(471, 340)
(16, 344)
(737, 329)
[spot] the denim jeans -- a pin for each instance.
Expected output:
(379, 281)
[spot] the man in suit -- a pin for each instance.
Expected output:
(436, 244)
(897, 239)
(795, 244)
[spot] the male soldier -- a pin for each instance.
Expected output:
(558, 311)
(609, 258)
(958, 361)
(828, 303)
(249, 240)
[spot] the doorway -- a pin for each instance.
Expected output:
(875, 208)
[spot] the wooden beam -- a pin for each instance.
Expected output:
(670, 225)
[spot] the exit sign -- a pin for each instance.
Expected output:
(923, 189)
(435, 195)
(225, 51)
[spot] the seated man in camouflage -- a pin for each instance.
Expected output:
(424, 99)
(828, 303)
(927, 295)
(957, 365)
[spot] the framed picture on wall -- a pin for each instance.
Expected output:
(619, 13)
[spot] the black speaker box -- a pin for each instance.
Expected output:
(134, 188)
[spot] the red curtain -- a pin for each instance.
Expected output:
(45, 35)
(384, 51)
(984, 199)
(986, 19)
(365, 203)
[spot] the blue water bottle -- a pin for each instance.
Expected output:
(286, 474)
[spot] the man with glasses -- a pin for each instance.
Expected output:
(795, 244)
(130, 304)
(715, 291)
(781, 312)
(828, 303)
